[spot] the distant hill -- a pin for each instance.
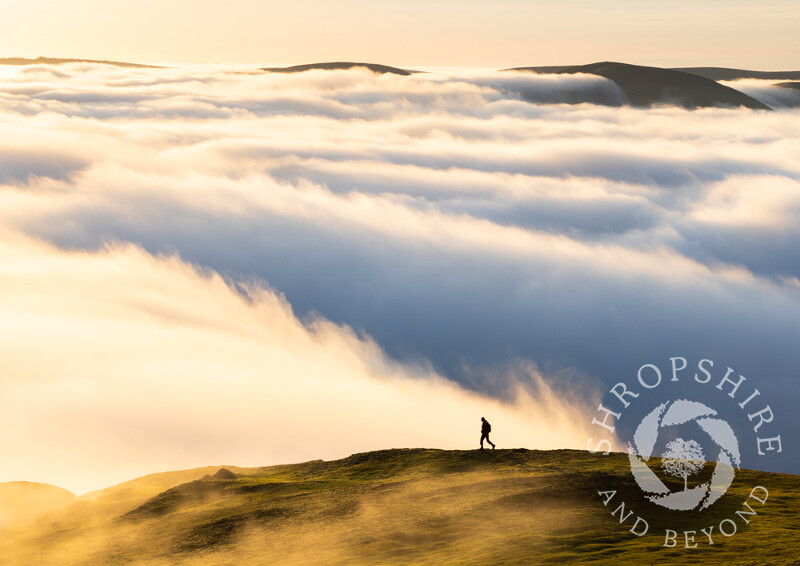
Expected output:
(648, 86)
(120, 497)
(415, 506)
(339, 65)
(22, 501)
(57, 61)
(792, 85)
(725, 74)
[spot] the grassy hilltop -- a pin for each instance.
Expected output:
(412, 506)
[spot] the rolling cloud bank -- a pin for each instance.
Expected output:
(207, 265)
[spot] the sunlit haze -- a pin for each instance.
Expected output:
(735, 33)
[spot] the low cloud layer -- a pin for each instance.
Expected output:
(775, 94)
(492, 249)
(117, 364)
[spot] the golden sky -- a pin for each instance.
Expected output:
(434, 33)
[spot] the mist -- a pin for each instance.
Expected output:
(206, 264)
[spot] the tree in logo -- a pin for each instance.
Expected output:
(686, 457)
(683, 459)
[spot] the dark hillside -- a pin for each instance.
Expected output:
(338, 65)
(648, 86)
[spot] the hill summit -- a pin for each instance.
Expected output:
(339, 66)
(647, 86)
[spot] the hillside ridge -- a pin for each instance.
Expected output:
(338, 66)
(398, 506)
(62, 61)
(648, 86)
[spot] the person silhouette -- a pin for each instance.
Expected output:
(486, 428)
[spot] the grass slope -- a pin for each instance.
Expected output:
(414, 506)
(648, 86)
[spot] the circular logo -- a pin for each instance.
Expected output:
(683, 458)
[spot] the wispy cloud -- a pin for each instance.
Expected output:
(117, 363)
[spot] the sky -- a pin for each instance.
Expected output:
(467, 33)
(205, 266)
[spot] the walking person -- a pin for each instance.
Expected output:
(486, 428)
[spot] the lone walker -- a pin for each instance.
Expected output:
(486, 428)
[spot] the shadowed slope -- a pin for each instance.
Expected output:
(647, 86)
(412, 506)
(339, 65)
